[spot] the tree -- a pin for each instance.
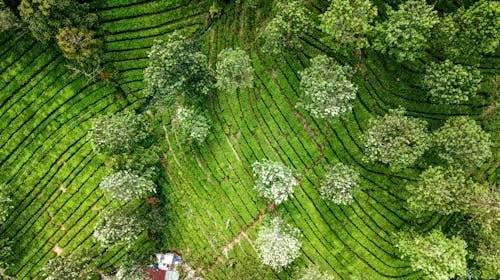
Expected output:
(470, 32)
(404, 34)
(8, 20)
(6, 253)
(126, 185)
(277, 243)
(462, 142)
(273, 180)
(348, 22)
(234, 70)
(442, 190)
(131, 272)
(176, 70)
(118, 227)
(451, 83)
(439, 257)
(339, 183)
(78, 44)
(312, 273)
(327, 88)
(282, 32)
(69, 267)
(395, 139)
(191, 125)
(45, 17)
(5, 202)
(484, 208)
(118, 133)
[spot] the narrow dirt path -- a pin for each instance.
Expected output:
(270, 207)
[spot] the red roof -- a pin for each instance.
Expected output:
(156, 274)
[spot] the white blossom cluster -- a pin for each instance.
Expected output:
(277, 243)
(339, 183)
(192, 126)
(126, 185)
(117, 227)
(312, 273)
(134, 272)
(273, 180)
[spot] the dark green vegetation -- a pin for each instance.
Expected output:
(213, 211)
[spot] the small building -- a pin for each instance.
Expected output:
(165, 267)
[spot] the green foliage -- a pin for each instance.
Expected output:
(471, 32)
(405, 33)
(273, 180)
(312, 273)
(327, 88)
(118, 227)
(176, 70)
(348, 22)
(485, 208)
(395, 139)
(191, 125)
(118, 133)
(8, 20)
(339, 183)
(6, 253)
(78, 44)
(142, 160)
(126, 185)
(462, 142)
(5, 202)
(451, 83)
(278, 244)
(436, 255)
(442, 190)
(69, 267)
(283, 31)
(45, 17)
(248, 268)
(234, 70)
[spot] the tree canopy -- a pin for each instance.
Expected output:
(126, 185)
(439, 257)
(277, 243)
(462, 142)
(451, 83)
(283, 31)
(117, 227)
(273, 180)
(118, 133)
(191, 125)
(442, 190)
(348, 22)
(234, 70)
(396, 139)
(312, 272)
(327, 90)
(78, 44)
(69, 267)
(339, 183)
(177, 70)
(45, 17)
(404, 34)
(8, 19)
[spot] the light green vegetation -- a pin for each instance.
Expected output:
(213, 212)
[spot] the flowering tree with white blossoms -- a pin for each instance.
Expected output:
(273, 180)
(277, 243)
(327, 89)
(191, 125)
(339, 183)
(126, 185)
(312, 273)
(117, 227)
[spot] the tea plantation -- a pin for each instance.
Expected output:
(213, 211)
